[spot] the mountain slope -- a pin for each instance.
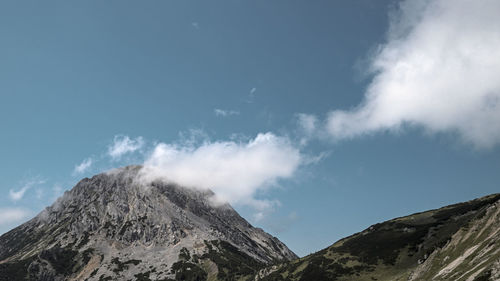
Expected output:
(113, 227)
(457, 242)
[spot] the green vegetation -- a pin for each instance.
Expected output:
(392, 249)
(485, 276)
(105, 278)
(14, 270)
(386, 251)
(120, 266)
(64, 261)
(61, 259)
(17, 240)
(84, 240)
(184, 255)
(94, 272)
(231, 262)
(87, 255)
(143, 276)
(188, 271)
(124, 228)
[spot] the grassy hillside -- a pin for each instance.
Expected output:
(417, 247)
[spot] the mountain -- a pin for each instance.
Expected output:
(114, 227)
(460, 242)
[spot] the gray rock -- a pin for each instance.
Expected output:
(113, 225)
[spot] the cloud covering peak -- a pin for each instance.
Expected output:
(439, 69)
(234, 171)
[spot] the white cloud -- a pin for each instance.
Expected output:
(225, 113)
(439, 70)
(308, 127)
(251, 95)
(315, 159)
(19, 194)
(10, 215)
(193, 137)
(307, 122)
(257, 217)
(123, 145)
(83, 167)
(263, 208)
(195, 24)
(234, 171)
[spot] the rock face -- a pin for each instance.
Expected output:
(112, 227)
(460, 242)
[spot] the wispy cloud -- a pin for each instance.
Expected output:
(225, 113)
(251, 95)
(308, 126)
(11, 215)
(195, 24)
(83, 167)
(193, 137)
(57, 190)
(438, 70)
(315, 159)
(122, 145)
(16, 195)
(234, 171)
(307, 122)
(258, 216)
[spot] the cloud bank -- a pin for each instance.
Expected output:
(439, 70)
(235, 171)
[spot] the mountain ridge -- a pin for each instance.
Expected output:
(439, 244)
(115, 219)
(114, 227)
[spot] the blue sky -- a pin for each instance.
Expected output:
(368, 109)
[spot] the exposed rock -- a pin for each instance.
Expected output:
(114, 226)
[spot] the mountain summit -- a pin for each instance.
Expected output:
(113, 227)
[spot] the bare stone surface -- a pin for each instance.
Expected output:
(110, 220)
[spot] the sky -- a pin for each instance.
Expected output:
(314, 119)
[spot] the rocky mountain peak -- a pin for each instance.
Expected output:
(115, 216)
